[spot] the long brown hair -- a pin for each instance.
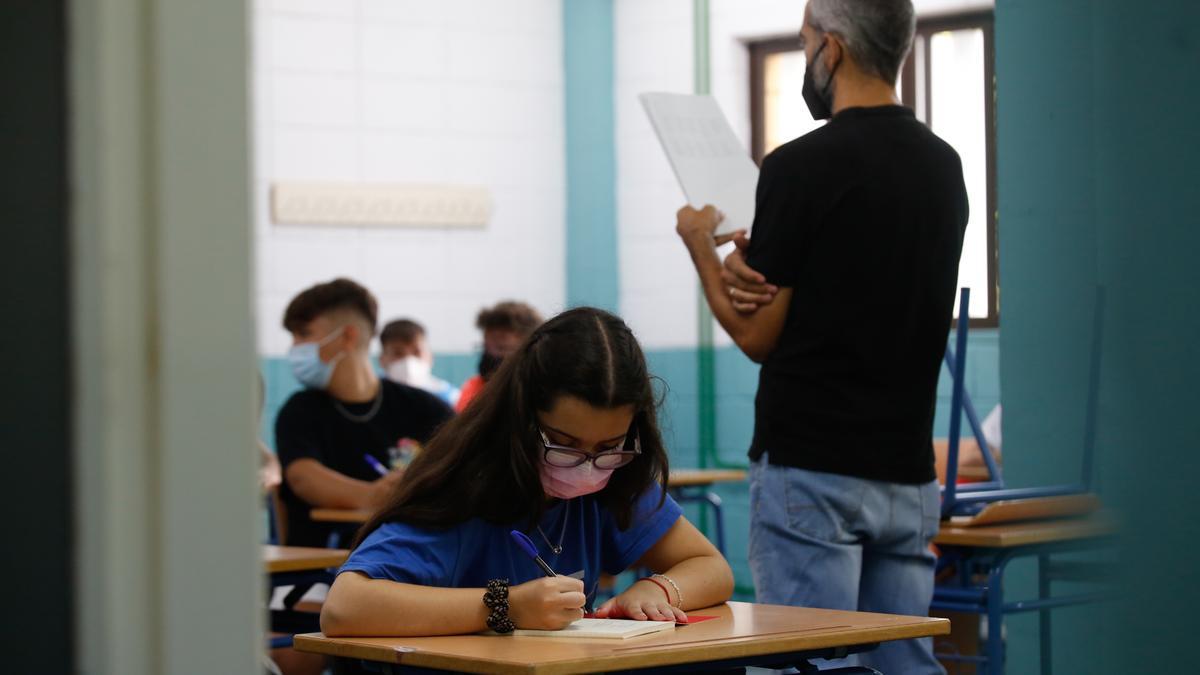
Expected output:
(484, 463)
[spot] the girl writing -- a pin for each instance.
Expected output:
(562, 444)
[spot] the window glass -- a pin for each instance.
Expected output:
(957, 114)
(786, 115)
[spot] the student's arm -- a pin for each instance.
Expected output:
(269, 474)
(301, 454)
(692, 562)
(756, 333)
(321, 486)
(360, 606)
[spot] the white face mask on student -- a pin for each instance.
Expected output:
(411, 370)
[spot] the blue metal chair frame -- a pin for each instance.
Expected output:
(704, 496)
(964, 593)
(956, 502)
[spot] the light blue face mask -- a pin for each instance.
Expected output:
(307, 365)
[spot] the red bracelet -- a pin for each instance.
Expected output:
(658, 583)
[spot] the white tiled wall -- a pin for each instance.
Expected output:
(654, 53)
(431, 91)
(659, 292)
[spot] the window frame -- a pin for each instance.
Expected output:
(759, 50)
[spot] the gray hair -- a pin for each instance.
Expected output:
(878, 33)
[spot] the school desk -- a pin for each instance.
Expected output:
(280, 559)
(978, 556)
(743, 634)
(685, 485)
(299, 567)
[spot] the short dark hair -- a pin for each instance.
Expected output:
(517, 317)
(339, 294)
(401, 330)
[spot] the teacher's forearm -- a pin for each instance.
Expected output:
(739, 326)
(708, 268)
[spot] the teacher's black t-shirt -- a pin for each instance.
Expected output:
(864, 220)
(311, 425)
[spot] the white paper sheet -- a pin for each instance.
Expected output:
(709, 161)
(601, 628)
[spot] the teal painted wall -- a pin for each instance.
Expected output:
(1097, 186)
(591, 260)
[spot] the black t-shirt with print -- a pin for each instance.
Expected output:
(863, 219)
(313, 425)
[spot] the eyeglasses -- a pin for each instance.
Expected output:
(567, 457)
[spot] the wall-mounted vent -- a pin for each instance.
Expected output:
(380, 205)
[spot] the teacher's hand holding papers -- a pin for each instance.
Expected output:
(747, 288)
(701, 226)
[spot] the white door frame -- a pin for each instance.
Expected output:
(167, 540)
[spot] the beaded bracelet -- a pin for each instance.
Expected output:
(496, 599)
(678, 594)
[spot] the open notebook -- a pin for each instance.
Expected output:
(601, 628)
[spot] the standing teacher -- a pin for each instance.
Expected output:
(845, 294)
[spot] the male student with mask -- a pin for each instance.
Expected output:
(334, 436)
(504, 327)
(406, 358)
(844, 293)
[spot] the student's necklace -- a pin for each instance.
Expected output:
(365, 417)
(561, 535)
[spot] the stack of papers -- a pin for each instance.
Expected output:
(601, 628)
(711, 164)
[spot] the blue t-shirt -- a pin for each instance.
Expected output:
(471, 554)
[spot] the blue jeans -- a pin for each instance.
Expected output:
(838, 542)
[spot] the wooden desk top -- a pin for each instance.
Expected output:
(742, 630)
(702, 477)
(302, 558)
(1007, 535)
(357, 516)
(679, 478)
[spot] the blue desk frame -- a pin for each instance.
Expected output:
(288, 620)
(703, 495)
(978, 588)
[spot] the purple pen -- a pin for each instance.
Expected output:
(376, 464)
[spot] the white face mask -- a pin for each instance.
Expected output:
(411, 370)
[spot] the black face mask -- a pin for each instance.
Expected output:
(488, 363)
(820, 101)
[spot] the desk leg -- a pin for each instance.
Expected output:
(995, 615)
(1044, 615)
